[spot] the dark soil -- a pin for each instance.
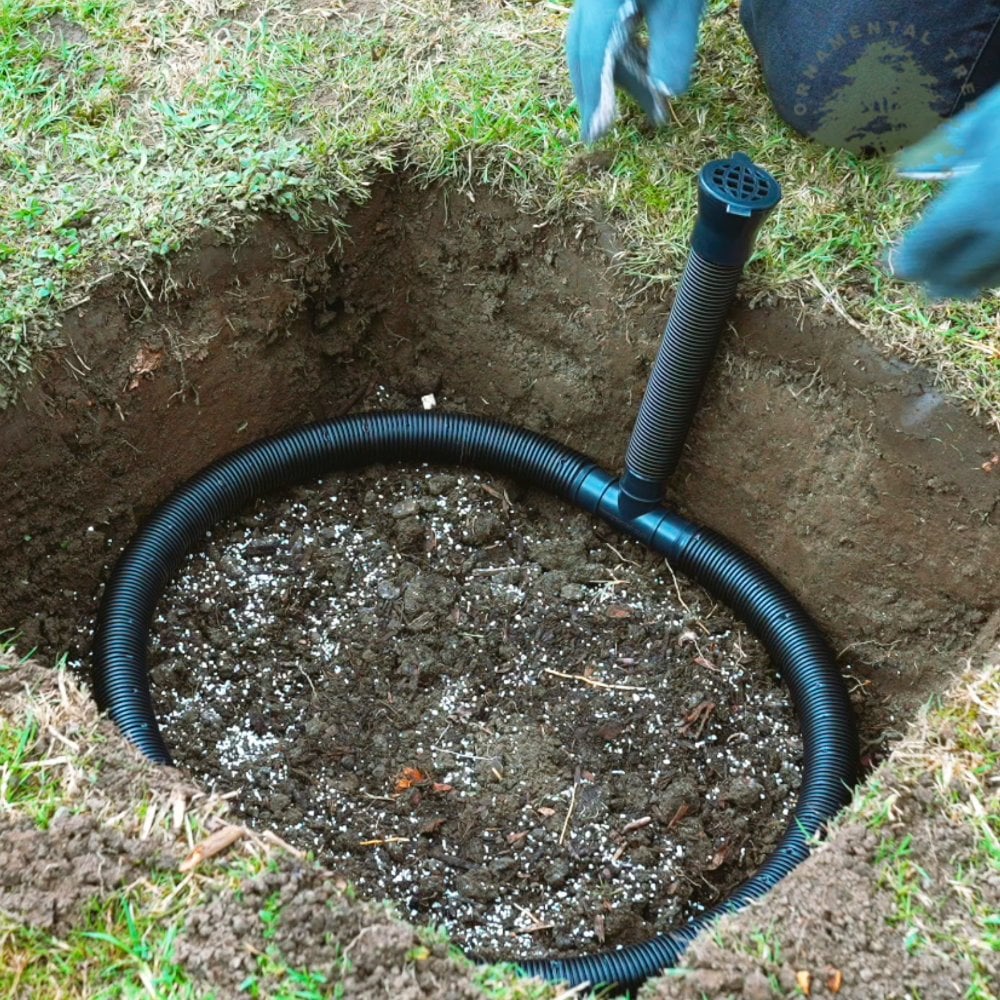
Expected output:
(846, 474)
(467, 699)
(866, 492)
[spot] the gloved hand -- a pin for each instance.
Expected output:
(603, 52)
(954, 248)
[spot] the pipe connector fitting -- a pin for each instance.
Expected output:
(734, 197)
(638, 494)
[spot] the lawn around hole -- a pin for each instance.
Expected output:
(127, 129)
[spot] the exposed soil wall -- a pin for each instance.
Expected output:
(862, 488)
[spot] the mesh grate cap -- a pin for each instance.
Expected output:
(742, 186)
(734, 198)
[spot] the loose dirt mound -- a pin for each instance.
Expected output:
(299, 913)
(49, 876)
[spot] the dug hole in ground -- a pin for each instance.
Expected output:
(457, 693)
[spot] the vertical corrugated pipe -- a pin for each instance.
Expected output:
(734, 198)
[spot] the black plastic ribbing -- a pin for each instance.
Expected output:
(120, 660)
(686, 352)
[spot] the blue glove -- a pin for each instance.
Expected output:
(603, 52)
(954, 248)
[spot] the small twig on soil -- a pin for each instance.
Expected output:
(834, 302)
(379, 798)
(65, 740)
(593, 683)
(624, 559)
(308, 681)
(710, 615)
(48, 762)
(807, 386)
(451, 861)
(378, 841)
(682, 810)
(572, 805)
(637, 824)
(76, 352)
(536, 923)
(272, 838)
(214, 843)
(460, 753)
(887, 646)
(677, 588)
(857, 684)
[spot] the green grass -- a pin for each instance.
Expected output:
(905, 879)
(126, 128)
(122, 948)
(960, 751)
(27, 783)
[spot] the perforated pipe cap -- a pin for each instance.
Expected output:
(734, 197)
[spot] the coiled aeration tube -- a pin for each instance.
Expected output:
(121, 672)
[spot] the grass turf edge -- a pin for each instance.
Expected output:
(128, 130)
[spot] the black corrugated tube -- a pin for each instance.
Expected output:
(685, 356)
(734, 197)
(121, 670)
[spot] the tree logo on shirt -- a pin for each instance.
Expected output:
(866, 87)
(887, 102)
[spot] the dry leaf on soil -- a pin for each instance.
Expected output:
(146, 361)
(214, 843)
